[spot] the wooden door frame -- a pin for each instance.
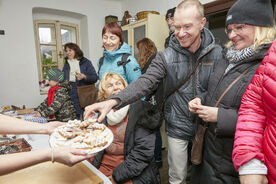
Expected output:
(218, 6)
(224, 5)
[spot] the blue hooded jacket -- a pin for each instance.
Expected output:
(111, 59)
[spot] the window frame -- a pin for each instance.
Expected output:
(59, 46)
(224, 5)
(218, 6)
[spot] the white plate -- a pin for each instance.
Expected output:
(56, 138)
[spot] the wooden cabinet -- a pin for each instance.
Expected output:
(153, 27)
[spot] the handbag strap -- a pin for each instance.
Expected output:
(181, 84)
(124, 60)
(232, 83)
(185, 80)
(206, 124)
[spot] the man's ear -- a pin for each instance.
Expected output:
(203, 22)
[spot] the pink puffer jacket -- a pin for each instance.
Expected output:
(256, 127)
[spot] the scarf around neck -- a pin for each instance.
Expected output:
(74, 67)
(115, 117)
(51, 96)
(235, 56)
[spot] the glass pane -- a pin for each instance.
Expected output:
(125, 35)
(48, 55)
(139, 34)
(47, 33)
(45, 69)
(216, 24)
(68, 34)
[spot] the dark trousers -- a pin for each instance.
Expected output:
(74, 96)
(158, 146)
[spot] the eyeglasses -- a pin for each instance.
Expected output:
(237, 29)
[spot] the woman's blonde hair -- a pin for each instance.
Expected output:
(262, 35)
(146, 49)
(106, 77)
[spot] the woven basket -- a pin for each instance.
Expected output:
(144, 14)
(110, 18)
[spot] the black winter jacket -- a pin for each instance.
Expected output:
(167, 41)
(138, 164)
(170, 68)
(179, 64)
(217, 166)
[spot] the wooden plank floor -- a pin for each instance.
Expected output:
(165, 168)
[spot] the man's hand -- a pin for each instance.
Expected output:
(103, 107)
(193, 104)
(207, 113)
(253, 179)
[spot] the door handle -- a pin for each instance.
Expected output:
(60, 54)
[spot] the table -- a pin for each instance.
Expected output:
(37, 142)
(81, 173)
(48, 172)
(27, 117)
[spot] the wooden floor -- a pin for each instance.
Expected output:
(165, 168)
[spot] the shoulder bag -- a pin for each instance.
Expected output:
(87, 95)
(197, 147)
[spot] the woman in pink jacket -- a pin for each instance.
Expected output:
(254, 149)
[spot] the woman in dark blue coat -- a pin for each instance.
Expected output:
(79, 71)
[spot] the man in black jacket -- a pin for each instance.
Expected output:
(170, 20)
(191, 57)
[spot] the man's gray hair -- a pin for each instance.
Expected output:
(188, 3)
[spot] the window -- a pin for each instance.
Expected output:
(215, 13)
(216, 24)
(51, 36)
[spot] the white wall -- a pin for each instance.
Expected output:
(152, 5)
(66, 16)
(18, 65)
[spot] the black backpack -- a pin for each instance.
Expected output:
(123, 62)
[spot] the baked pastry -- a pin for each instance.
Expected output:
(87, 135)
(98, 126)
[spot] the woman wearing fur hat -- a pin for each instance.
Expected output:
(249, 27)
